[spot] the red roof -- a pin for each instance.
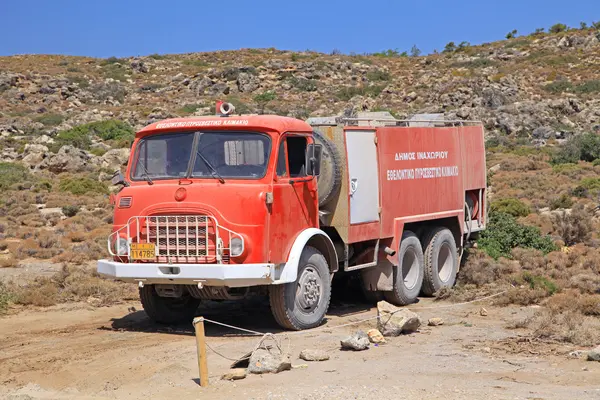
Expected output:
(236, 122)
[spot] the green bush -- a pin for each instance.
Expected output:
(585, 147)
(504, 233)
(588, 87)
(346, 93)
(80, 186)
(478, 63)
(50, 119)
(189, 108)
(303, 84)
(13, 174)
(558, 28)
(80, 136)
(70, 210)
(559, 86)
(540, 282)
(563, 201)
(378, 75)
(514, 207)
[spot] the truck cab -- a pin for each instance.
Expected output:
(213, 206)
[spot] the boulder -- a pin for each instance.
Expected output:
(375, 336)
(594, 355)
(544, 132)
(314, 355)
(435, 321)
(234, 374)
(357, 342)
(393, 320)
(34, 154)
(114, 159)
(68, 159)
(247, 82)
(264, 361)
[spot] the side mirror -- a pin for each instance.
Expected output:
(118, 179)
(313, 159)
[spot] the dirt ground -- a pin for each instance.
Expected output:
(79, 352)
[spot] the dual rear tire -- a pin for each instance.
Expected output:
(423, 271)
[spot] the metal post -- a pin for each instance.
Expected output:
(201, 347)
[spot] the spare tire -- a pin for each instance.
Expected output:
(330, 178)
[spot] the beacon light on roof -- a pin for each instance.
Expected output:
(224, 108)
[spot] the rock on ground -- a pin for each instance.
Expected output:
(375, 336)
(234, 374)
(264, 361)
(358, 341)
(393, 320)
(435, 321)
(594, 355)
(314, 355)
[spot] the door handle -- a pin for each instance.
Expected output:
(353, 185)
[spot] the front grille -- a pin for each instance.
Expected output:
(182, 238)
(178, 238)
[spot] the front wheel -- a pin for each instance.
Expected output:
(168, 310)
(302, 304)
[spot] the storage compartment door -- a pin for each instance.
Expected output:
(363, 176)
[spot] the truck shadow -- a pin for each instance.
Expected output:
(253, 314)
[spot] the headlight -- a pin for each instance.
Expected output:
(237, 247)
(122, 247)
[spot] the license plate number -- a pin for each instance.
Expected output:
(143, 251)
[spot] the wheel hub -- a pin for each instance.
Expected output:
(309, 289)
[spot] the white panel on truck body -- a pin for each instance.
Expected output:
(363, 176)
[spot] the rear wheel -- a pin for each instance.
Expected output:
(302, 304)
(168, 310)
(408, 275)
(441, 261)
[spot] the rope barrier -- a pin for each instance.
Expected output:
(273, 336)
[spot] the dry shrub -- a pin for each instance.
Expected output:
(569, 317)
(31, 248)
(480, 269)
(41, 292)
(47, 239)
(8, 261)
(77, 237)
(81, 253)
(3, 245)
(73, 284)
(33, 221)
(575, 226)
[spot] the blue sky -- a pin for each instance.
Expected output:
(104, 28)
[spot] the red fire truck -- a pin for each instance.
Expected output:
(217, 207)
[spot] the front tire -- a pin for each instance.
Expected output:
(168, 310)
(408, 275)
(303, 304)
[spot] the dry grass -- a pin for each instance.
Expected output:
(8, 261)
(568, 317)
(72, 284)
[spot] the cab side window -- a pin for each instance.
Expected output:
(281, 160)
(296, 146)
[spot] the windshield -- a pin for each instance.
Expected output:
(217, 155)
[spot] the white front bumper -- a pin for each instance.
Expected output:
(236, 275)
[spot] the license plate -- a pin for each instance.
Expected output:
(142, 251)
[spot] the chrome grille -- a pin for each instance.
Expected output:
(178, 238)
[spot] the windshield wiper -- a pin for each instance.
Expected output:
(145, 175)
(215, 173)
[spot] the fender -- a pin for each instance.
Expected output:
(288, 272)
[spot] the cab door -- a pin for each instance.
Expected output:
(294, 206)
